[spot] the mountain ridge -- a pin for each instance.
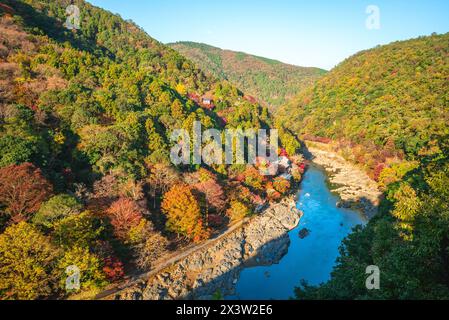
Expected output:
(271, 81)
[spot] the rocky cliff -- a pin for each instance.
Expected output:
(215, 268)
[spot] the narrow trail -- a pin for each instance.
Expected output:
(200, 270)
(170, 260)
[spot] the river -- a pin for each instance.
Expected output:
(311, 258)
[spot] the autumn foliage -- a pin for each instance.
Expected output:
(27, 259)
(238, 211)
(124, 214)
(184, 214)
(97, 120)
(23, 189)
(281, 185)
(213, 193)
(113, 269)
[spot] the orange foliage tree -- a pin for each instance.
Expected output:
(184, 214)
(254, 179)
(281, 185)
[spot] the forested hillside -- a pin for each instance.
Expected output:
(387, 110)
(272, 82)
(392, 98)
(85, 174)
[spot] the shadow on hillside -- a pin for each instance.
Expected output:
(305, 151)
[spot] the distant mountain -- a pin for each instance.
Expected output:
(270, 81)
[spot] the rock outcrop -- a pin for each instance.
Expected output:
(215, 268)
(304, 233)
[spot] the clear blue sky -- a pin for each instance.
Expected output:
(306, 33)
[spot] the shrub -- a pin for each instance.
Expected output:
(57, 208)
(113, 269)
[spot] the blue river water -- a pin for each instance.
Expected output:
(311, 258)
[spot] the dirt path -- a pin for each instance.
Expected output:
(170, 260)
(199, 271)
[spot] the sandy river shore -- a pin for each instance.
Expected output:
(353, 185)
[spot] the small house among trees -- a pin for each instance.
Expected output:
(207, 102)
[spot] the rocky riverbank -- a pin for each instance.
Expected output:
(356, 189)
(215, 268)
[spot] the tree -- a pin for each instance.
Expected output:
(107, 187)
(406, 207)
(214, 194)
(78, 230)
(238, 211)
(289, 141)
(147, 244)
(162, 177)
(177, 110)
(253, 178)
(157, 147)
(151, 249)
(15, 150)
(23, 189)
(181, 89)
(296, 172)
(27, 261)
(124, 214)
(102, 145)
(183, 213)
(281, 185)
(92, 276)
(57, 208)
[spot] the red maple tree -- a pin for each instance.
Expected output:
(23, 189)
(213, 193)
